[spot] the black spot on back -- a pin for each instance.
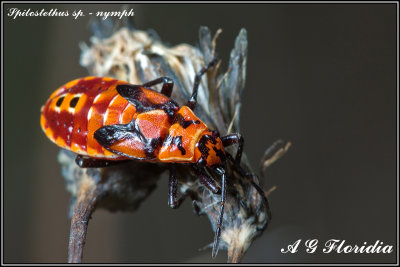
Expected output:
(152, 146)
(203, 148)
(177, 140)
(219, 153)
(136, 96)
(73, 102)
(59, 101)
(184, 123)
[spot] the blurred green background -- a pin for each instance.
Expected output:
(320, 75)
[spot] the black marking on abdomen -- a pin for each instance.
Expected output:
(59, 101)
(73, 102)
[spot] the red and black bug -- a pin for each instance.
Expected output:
(106, 121)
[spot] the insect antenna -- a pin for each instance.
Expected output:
(193, 99)
(220, 171)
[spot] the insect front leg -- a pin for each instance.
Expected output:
(221, 172)
(193, 99)
(168, 85)
(231, 139)
(206, 180)
(249, 176)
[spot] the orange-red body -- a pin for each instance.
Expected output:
(75, 111)
(106, 119)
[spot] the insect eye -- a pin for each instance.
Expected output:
(59, 101)
(73, 102)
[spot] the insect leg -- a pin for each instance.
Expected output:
(168, 85)
(231, 139)
(86, 162)
(172, 184)
(173, 202)
(193, 99)
(221, 212)
(206, 180)
(249, 177)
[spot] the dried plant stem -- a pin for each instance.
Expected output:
(88, 198)
(235, 254)
(272, 189)
(273, 153)
(116, 188)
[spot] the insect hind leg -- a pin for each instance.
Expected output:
(86, 162)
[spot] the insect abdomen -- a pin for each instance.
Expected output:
(76, 110)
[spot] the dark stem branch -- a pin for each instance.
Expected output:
(87, 200)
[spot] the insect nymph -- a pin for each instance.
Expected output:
(106, 121)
